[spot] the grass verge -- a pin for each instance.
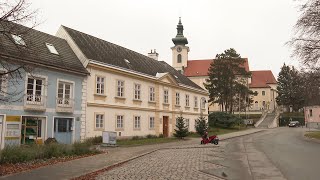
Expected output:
(144, 141)
(315, 134)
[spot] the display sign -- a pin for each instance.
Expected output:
(13, 118)
(109, 137)
(13, 126)
(13, 130)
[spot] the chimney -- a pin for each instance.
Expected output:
(154, 55)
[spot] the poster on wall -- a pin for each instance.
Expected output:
(13, 126)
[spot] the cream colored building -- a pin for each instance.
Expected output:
(130, 93)
(264, 84)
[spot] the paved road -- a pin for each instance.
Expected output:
(276, 154)
(295, 157)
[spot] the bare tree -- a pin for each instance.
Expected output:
(13, 14)
(311, 86)
(306, 43)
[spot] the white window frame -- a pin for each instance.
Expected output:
(136, 122)
(137, 91)
(166, 96)
(52, 49)
(100, 85)
(43, 89)
(151, 122)
(177, 99)
(203, 103)
(263, 93)
(120, 88)
(196, 102)
(187, 100)
(100, 122)
(152, 94)
(119, 121)
(64, 100)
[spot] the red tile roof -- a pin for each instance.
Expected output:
(261, 79)
(201, 67)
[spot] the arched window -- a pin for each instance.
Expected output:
(179, 58)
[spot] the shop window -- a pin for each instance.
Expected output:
(31, 130)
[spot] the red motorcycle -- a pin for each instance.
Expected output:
(212, 139)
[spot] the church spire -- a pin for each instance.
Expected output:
(180, 39)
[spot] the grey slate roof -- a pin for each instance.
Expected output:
(36, 50)
(100, 50)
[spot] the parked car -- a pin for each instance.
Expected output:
(294, 124)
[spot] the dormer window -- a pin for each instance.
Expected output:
(18, 39)
(52, 49)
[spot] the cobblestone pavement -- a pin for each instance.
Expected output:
(187, 162)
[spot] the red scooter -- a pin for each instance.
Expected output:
(212, 139)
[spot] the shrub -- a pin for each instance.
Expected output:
(55, 150)
(94, 140)
(79, 148)
(224, 120)
(161, 136)
(201, 125)
(250, 116)
(50, 140)
(181, 130)
(150, 136)
(16, 154)
(136, 137)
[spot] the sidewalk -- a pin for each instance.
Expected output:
(114, 156)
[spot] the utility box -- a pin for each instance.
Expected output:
(109, 138)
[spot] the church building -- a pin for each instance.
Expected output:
(263, 81)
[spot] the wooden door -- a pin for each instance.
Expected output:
(165, 126)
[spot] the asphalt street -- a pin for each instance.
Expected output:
(287, 149)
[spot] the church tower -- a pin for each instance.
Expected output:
(180, 50)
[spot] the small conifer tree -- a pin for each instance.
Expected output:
(201, 125)
(181, 130)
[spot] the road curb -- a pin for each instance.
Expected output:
(94, 174)
(242, 135)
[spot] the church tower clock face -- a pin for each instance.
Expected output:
(179, 49)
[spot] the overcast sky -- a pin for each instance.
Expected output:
(257, 29)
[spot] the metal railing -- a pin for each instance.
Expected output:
(65, 102)
(35, 102)
(33, 99)
(65, 105)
